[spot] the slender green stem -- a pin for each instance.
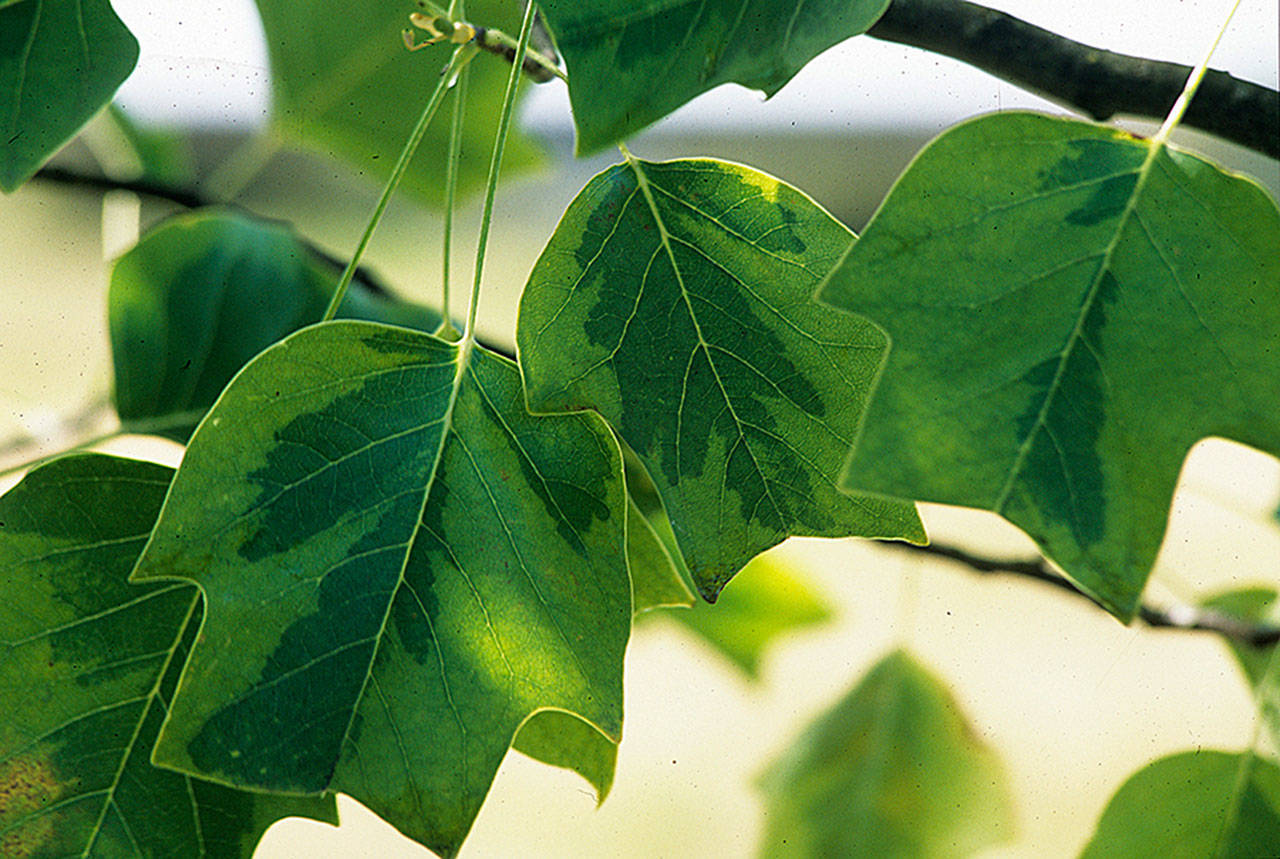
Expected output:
(146, 426)
(459, 58)
(495, 165)
(451, 188)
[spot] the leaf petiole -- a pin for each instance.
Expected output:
(460, 57)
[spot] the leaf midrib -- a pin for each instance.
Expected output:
(1086, 308)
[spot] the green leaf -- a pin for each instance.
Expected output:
(164, 156)
(893, 770)
(203, 293)
(630, 64)
(60, 62)
(765, 601)
(1252, 606)
(1070, 309)
(343, 84)
(675, 299)
(400, 564)
(564, 740)
(88, 664)
(1194, 805)
(658, 576)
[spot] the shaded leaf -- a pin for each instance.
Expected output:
(344, 85)
(630, 64)
(164, 156)
(1194, 805)
(564, 740)
(203, 293)
(400, 565)
(1032, 274)
(82, 654)
(893, 770)
(675, 300)
(60, 62)
(765, 601)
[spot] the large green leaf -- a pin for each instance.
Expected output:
(675, 299)
(60, 62)
(632, 63)
(893, 770)
(1194, 805)
(88, 664)
(1069, 310)
(400, 564)
(766, 601)
(343, 84)
(203, 293)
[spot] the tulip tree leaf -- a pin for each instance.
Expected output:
(675, 299)
(564, 740)
(88, 663)
(658, 576)
(765, 601)
(165, 156)
(893, 770)
(400, 564)
(60, 62)
(1252, 606)
(203, 293)
(631, 64)
(1069, 310)
(1193, 805)
(343, 84)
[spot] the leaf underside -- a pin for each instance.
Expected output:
(60, 62)
(675, 300)
(88, 664)
(630, 64)
(1067, 317)
(400, 565)
(893, 770)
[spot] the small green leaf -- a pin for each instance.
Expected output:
(1250, 605)
(400, 564)
(88, 664)
(675, 299)
(893, 770)
(765, 601)
(1195, 805)
(60, 62)
(631, 64)
(564, 740)
(343, 84)
(203, 293)
(1050, 288)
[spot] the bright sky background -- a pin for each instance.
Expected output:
(205, 62)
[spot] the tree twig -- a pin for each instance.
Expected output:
(1038, 569)
(1097, 82)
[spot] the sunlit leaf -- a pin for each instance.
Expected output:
(400, 565)
(1194, 805)
(1069, 309)
(764, 602)
(893, 770)
(630, 64)
(343, 84)
(675, 299)
(82, 655)
(203, 293)
(164, 156)
(658, 576)
(60, 62)
(563, 740)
